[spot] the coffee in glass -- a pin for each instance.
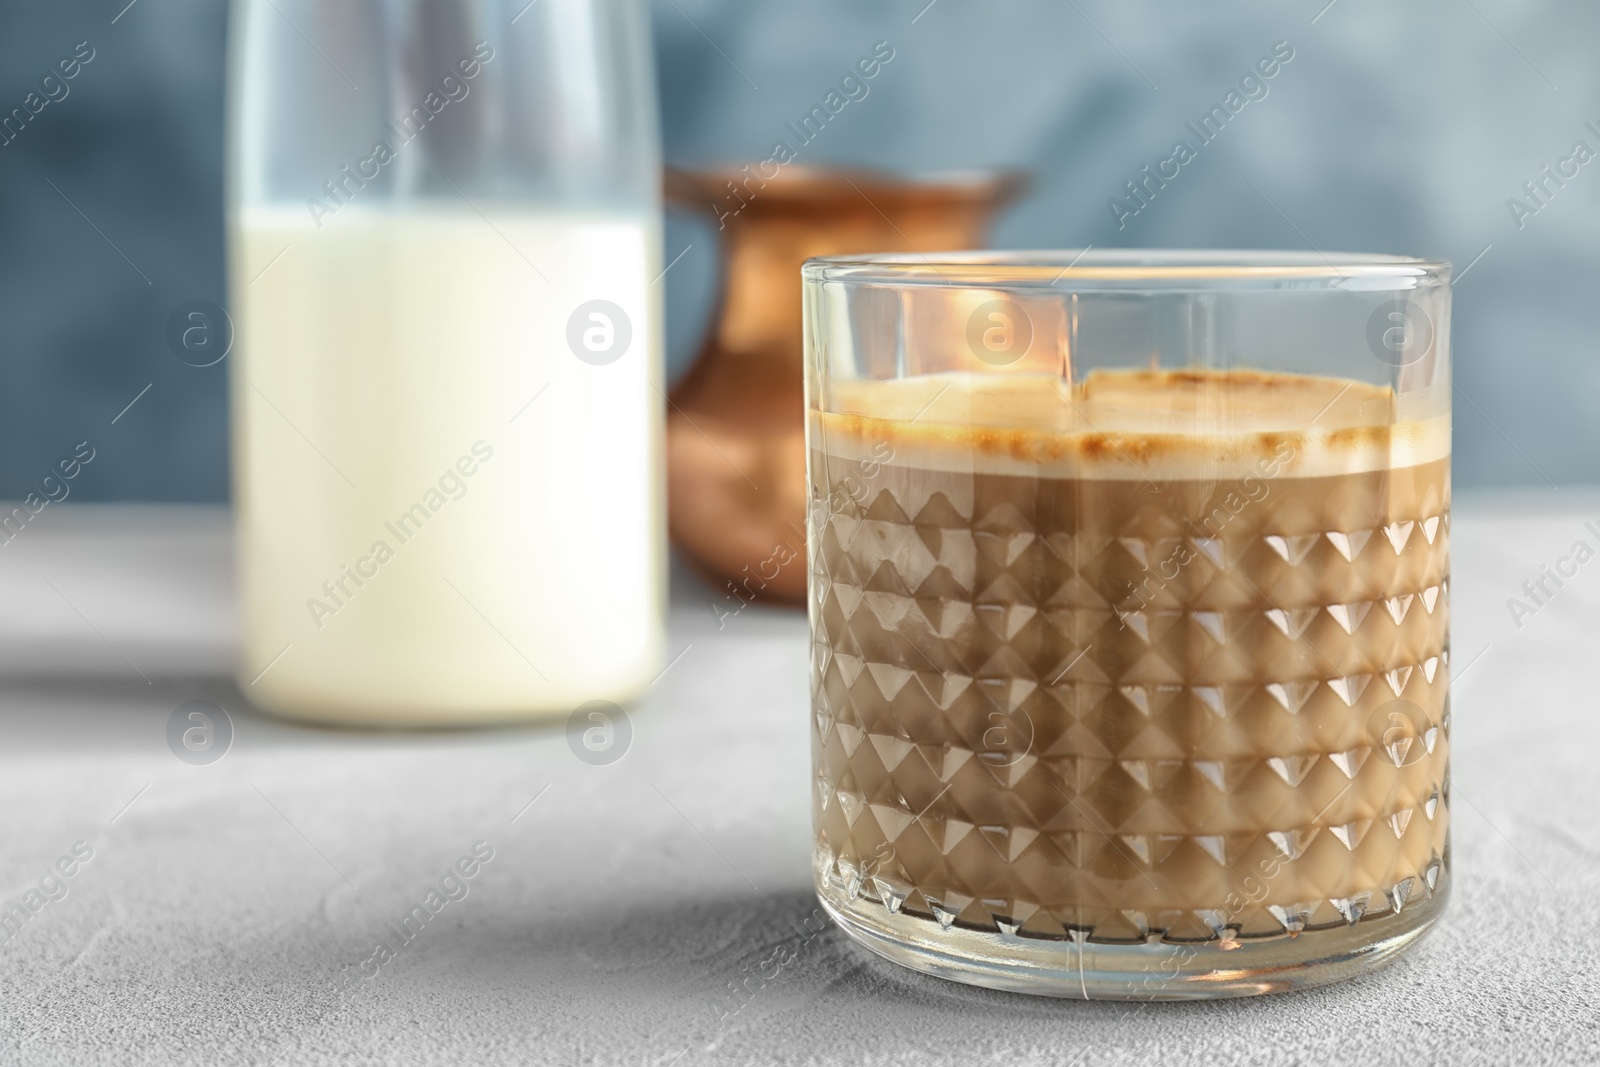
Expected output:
(1129, 579)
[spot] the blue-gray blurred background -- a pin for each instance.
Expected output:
(1397, 127)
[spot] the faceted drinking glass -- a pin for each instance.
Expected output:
(1129, 603)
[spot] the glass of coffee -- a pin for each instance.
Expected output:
(1129, 600)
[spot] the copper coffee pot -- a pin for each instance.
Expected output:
(736, 465)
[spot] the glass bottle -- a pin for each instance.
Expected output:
(443, 226)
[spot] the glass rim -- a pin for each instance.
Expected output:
(1155, 268)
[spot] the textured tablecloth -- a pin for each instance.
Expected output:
(658, 910)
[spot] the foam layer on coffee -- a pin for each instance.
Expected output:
(1191, 423)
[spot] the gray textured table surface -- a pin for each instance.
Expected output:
(635, 912)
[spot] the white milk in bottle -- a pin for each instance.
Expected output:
(442, 508)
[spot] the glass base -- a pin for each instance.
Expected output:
(1154, 970)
